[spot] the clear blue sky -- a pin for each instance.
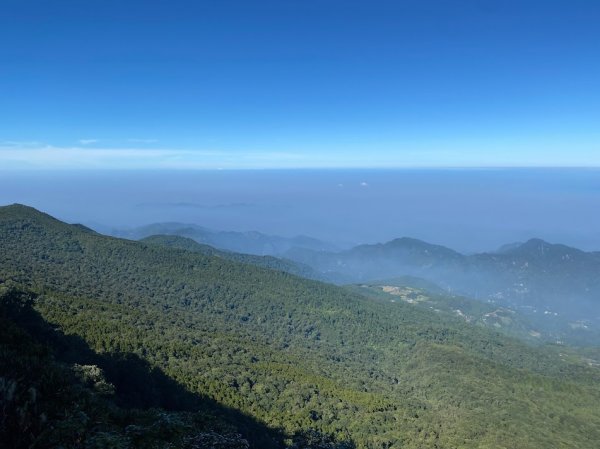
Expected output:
(267, 84)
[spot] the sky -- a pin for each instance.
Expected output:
(298, 84)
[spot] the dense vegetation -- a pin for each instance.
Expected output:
(273, 263)
(53, 393)
(296, 354)
(56, 392)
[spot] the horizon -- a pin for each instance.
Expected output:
(403, 237)
(469, 210)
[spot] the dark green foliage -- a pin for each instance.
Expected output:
(313, 439)
(214, 440)
(296, 354)
(46, 401)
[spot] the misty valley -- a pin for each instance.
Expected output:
(177, 335)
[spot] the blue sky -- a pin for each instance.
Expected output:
(285, 84)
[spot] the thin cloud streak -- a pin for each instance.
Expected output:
(34, 155)
(53, 157)
(19, 143)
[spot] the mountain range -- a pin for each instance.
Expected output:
(107, 342)
(251, 242)
(536, 274)
(535, 277)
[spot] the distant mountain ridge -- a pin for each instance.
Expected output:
(250, 242)
(530, 274)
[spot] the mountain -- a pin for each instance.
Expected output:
(507, 247)
(552, 277)
(296, 357)
(535, 274)
(55, 392)
(241, 242)
(403, 256)
(273, 263)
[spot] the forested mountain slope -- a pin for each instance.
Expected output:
(297, 354)
(273, 263)
(56, 392)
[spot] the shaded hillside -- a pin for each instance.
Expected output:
(56, 392)
(296, 354)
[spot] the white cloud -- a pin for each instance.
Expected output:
(88, 141)
(31, 154)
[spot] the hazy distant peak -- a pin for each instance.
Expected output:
(536, 242)
(247, 242)
(416, 245)
(537, 247)
(515, 247)
(408, 241)
(412, 242)
(507, 248)
(253, 234)
(174, 225)
(398, 242)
